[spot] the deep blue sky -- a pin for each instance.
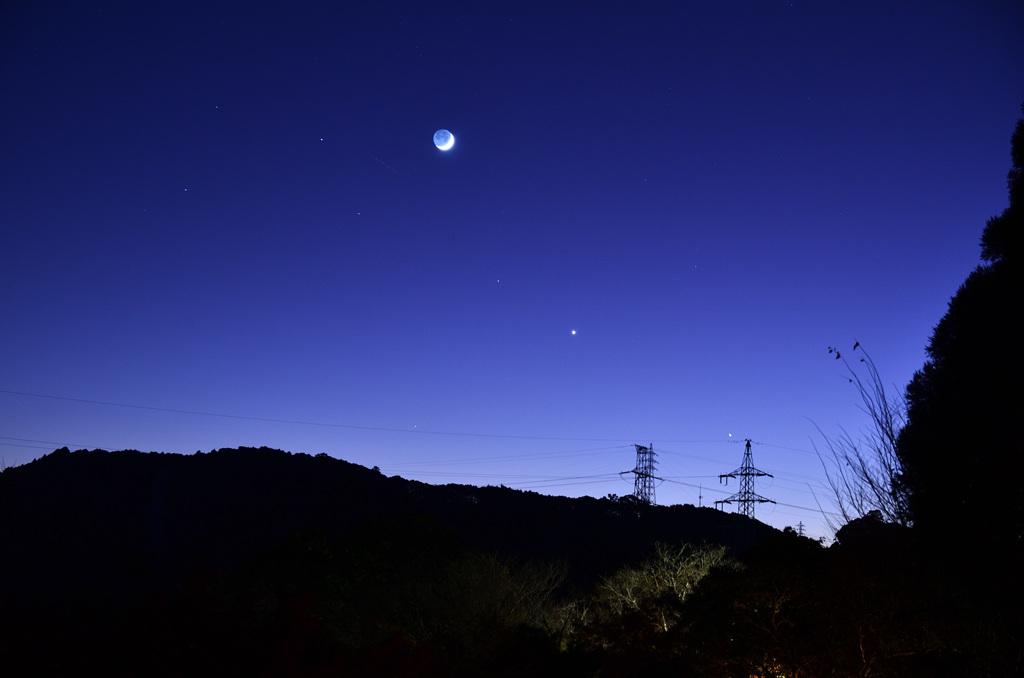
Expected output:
(237, 209)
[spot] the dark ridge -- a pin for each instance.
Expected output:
(123, 525)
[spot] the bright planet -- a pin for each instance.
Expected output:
(444, 139)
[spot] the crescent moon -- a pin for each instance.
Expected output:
(444, 139)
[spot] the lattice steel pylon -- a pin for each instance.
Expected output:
(746, 497)
(643, 488)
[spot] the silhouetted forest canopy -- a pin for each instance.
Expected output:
(962, 404)
(260, 562)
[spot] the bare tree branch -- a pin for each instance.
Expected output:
(864, 472)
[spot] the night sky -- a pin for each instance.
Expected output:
(227, 224)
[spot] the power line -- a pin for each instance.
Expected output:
(538, 482)
(47, 442)
(31, 447)
(316, 423)
(520, 457)
(298, 422)
(783, 447)
(579, 480)
(696, 456)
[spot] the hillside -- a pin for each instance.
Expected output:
(258, 562)
(125, 524)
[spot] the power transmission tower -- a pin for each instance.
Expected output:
(643, 488)
(746, 497)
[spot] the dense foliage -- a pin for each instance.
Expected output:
(962, 462)
(429, 591)
(408, 597)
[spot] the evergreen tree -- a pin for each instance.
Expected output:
(960, 451)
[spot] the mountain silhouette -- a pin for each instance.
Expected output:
(122, 525)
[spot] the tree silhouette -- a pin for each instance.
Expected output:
(960, 452)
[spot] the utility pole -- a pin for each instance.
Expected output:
(746, 497)
(643, 487)
(800, 528)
